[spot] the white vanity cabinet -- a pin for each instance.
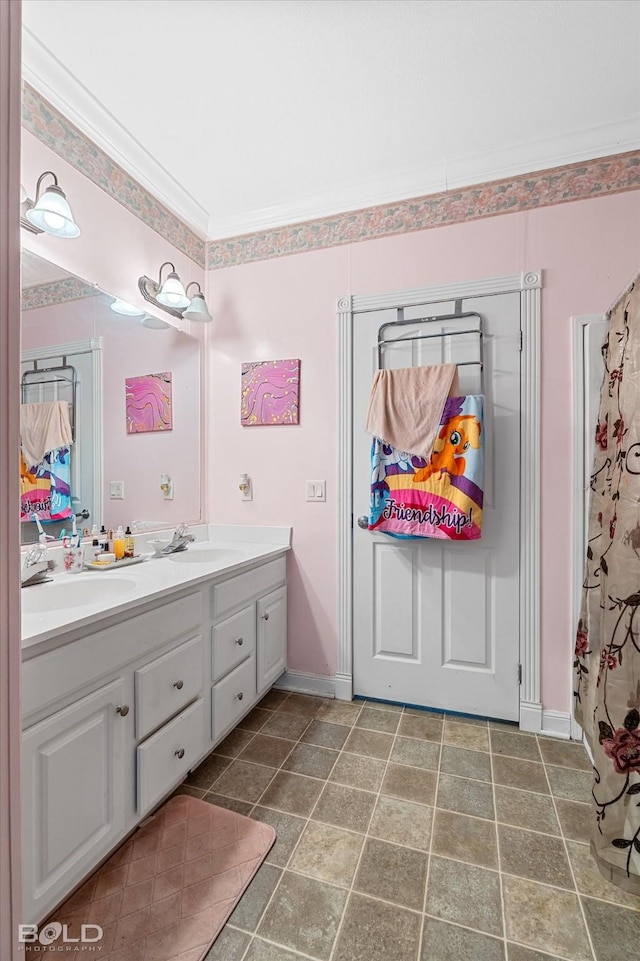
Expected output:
(115, 715)
(248, 642)
(73, 792)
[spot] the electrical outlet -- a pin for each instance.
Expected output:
(315, 490)
(166, 486)
(246, 487)
(116, 490)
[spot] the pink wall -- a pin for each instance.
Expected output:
(137, 459)
(114, 248)
(588, 251)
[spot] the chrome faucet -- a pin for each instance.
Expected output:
(180, 539)
(36, 566)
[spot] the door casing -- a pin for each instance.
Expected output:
(528, 283)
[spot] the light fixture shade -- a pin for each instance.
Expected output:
(172, 294)
(154, 323)
(127, 310)
(52, 214)
(198, 310)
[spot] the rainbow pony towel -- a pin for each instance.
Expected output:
(440, 496)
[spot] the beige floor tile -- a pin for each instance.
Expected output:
(590, 881)
(230, 945)
(464, 763)
(465, 839)
(267, 750)
(427, 727)
(526, 810)
(545, 918)
(514, 772)
(339, 712)
(260, 950)
(376, 720)
(345, 807)
(512, 744)
(365, 773)
(304, 915)
(304, 704)
(465, 796)
(392, 873)
(564, 753)
(465, 894)
(470, 736)
(251, 905)
(292, 793)
(374, 931)
(538, 857)
(327, 853)
(326, 734)
(410, 783)
(442, 941)
(614, 930)
(288, 829)
(244, 781)
(576, 819)
(570, 784)
(415, 753)
(369, 743)
(402, 822)
(311, 760)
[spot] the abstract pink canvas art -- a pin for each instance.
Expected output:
(148, 403)
(270, 393)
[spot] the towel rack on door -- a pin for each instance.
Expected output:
(459, 315)
(66, 379)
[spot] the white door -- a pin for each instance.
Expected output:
(38, 388)
(436, 623)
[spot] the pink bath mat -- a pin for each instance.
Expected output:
(167, 892)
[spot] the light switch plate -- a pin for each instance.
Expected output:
(116, 490)
(315, 490)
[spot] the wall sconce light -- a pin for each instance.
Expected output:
(197, 309)
(50, 213)
(171, 296)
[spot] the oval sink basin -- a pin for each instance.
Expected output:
(209, 555)
(89, 589)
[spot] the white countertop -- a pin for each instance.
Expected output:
(239, 548)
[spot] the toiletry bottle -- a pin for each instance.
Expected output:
(104, 540)
(110, 549)
(129, 543)
(118, 544)
(94, 550)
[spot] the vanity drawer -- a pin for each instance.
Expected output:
(165, 685)
(164, 759)
(231, 695)
(237, 590)
(232, 641)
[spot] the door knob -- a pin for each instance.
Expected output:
(179, 753)
(122, 710)
(240, 696)
(265, 617)
(240, 641)
(178, 684)
(363, 521)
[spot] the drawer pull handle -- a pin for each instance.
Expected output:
(265, 617)
(122, 710)
(179, 753)
(178, 684)
(240, 641)
(240, 696)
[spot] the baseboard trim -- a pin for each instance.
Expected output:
(299, 682)
(556, 724)
(531, 716)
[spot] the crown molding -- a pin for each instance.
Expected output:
(516, 160)
(50, 79)
(597, 177)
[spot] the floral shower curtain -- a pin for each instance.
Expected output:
(607, 653)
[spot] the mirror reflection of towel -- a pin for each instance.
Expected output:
(45, 488)
(44, 427)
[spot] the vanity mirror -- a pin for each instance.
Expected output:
(133, 387)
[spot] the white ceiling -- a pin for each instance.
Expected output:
(244, 114)
(36, 270)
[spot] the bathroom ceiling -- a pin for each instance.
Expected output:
(246, 114)
(35, 270)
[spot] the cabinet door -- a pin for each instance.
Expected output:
(271, 639)
(73, 794)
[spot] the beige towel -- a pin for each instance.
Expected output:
(405, 405)
(44, 427)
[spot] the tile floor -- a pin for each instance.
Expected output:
(406, 836)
